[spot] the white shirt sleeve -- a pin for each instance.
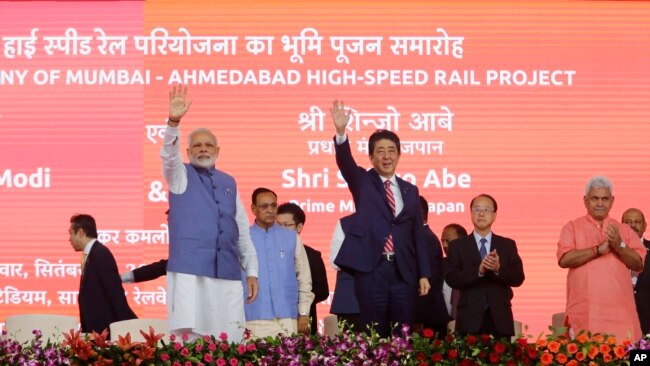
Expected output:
(341, 138)
(335, 246)
(247, 253)
(174, 171)
(303, 273)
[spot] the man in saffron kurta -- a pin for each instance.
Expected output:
(599, 253)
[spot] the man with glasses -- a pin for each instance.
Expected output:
(284, 297)
(484, 267)
(599, 253)
(384, 248)
(291, 216)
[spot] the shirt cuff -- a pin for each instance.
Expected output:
(127, 277)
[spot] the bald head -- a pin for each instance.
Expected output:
(635, 219)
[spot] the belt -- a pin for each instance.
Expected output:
(388, 256)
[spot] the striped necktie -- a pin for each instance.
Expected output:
(388, 247)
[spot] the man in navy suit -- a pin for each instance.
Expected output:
(430, 310)
(384, 248)
(484, 267)
(641, 281)
(344, 302)
(101, 295)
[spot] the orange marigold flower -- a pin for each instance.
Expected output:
(593, 352)
(546, 359)
(561, 358)
(572, 363)
(580, 356)
(619, 352)
(541, 343)
(571, 348)
(598, 338)
(582, 338)
(611, 340)
(553, 346)
(604, 348)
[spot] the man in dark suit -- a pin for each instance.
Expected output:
(641, 281)
(101, 295)
(344, 302)
(451, 232)
(147, 272)
(293, 217)
(384, 248)
(484, 267)
(430, 310)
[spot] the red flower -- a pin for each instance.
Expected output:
(241, 349)
(571, 348)
(607, 357)
(427, 333)
(580, 356)
(224, 346)
(221, 362)
(471, 340)
(604, 348)
(561, 358)
(523, 342)
(572, 363)
(499, 347)
(185, 352)
(437, 357)
(619, 352)
(164, 357)
(452, 354)
(593, 352)
(486, 338)
(233, 362)
(207, 357)
(553, 346)
(421, 356)
(494, 357)
(223, 336)
(532, 353)
(251, 347)
(546, 359)
(199, 347)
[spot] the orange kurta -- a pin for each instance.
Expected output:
(599, 293)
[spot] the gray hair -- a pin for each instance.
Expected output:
(200, 130)
(599, 181)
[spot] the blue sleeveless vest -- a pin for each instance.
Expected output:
(203, 232)
(278, 285)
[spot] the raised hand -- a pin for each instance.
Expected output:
(340, 116)
(177, 105)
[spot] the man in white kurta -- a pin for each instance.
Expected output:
(204, 304)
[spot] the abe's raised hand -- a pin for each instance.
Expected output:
(177, 105)
(340, 116)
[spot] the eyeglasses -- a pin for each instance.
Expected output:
(265, 206)
(484, 210)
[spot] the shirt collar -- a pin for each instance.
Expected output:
(89, 246)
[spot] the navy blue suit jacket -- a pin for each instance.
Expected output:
(430, 309)
(642, 292)
(364, 242)
(478, 293)
(101, 295)
(344, 301)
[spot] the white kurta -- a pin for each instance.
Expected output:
(202, 305)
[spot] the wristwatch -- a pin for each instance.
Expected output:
(623, 245)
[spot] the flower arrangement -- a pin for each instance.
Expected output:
(347, 348)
